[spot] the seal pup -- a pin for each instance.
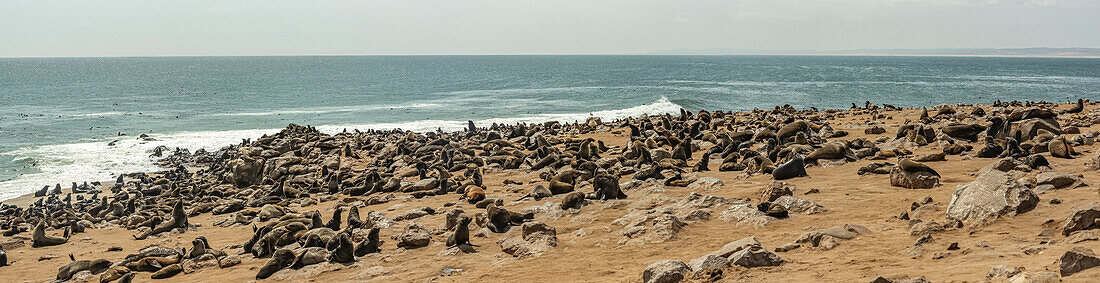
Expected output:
(793, 168)
(573, 199)
(370, 245)
(908, 165)
(461, 235)
(40, 239)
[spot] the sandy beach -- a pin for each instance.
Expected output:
(685, 214)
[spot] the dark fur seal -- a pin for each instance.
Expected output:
(702, 164)
(4, 258)
(572, 200)
(281, 259)
(95, 266)
(967, 132)
(911, 166)
(40, 239)
(370, 245)
(461, 236)
(179, 220)
(539, 192)
(563, 182)
(353, 218)
(345, 250)
(607, 187)
(793, 168)
(310, 256)
(334, 222)
(500, 220)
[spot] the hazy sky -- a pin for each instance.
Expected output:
(265, 27)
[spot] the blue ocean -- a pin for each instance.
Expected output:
(68, 120)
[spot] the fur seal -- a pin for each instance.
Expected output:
(967, 132)
(4, 258)
(703, 163)
(114, 273)
(500, 220)
(831, 150)
(911, 166)
(310, 256)
(607, 187)
(334, 222)
(282, 258)
(345, 250)
(95, 266)
(1076, 108)
(563, 182)
(353, 218)
(167, 271)
(179, 220)
(461, 235)
(370, 245)
(40, 239)
(572, 200)
(539, 192)
(793, 168)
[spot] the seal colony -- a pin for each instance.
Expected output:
(660, 198)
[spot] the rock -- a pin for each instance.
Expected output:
(664, 228)
(733, 247)
(1084, 217)
(1004, 164)
(1058, 180)
(1083, 236)
(874, 130)
(755, 257)
(537, 238)
(708, 261)
(414, 236)
(1027, 129)
(800, 205)
(925, 228)
(843, 232)
(745, 214)
(993, 194)
(706, 201)
(912, 180)
(1076, 260)
(665, 271)
(230, 260)
(1002, 272)
(1035, 277)
(776, 190)
(245, 172)
(706, 184)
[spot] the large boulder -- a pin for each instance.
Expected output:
(1084, 217)
(1027, 129)
(246, 171)
(666, 271)
(1076, 260)
(755, 257)
(913, 180)
(414, 236)
(993, 194)
(536, 238)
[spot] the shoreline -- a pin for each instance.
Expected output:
(599, 238)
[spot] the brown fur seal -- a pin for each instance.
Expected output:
(310, 256)
(702, 164)
(1077, 108)
(911, 166)
(370, 245)
(967, 132)
(572, 200)
(831, 150)
(4, 258)
(179, 220)
(40, 239)
(563, 182)
(114, 273)
(500, 220)
(793, 168)
(95, 266)
(353, 218)
(345, 250)
(539, 192)
(607, 187)
(167, 271)
(334, 222)
(461, 235)
(281, 259)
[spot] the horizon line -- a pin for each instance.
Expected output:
(673, 52)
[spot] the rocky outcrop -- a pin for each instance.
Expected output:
(1077, 259)
(1084, 217)
(993, 194)
(537, 238)
(666, 271)
(913, 180)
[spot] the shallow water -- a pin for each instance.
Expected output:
(58, 114)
